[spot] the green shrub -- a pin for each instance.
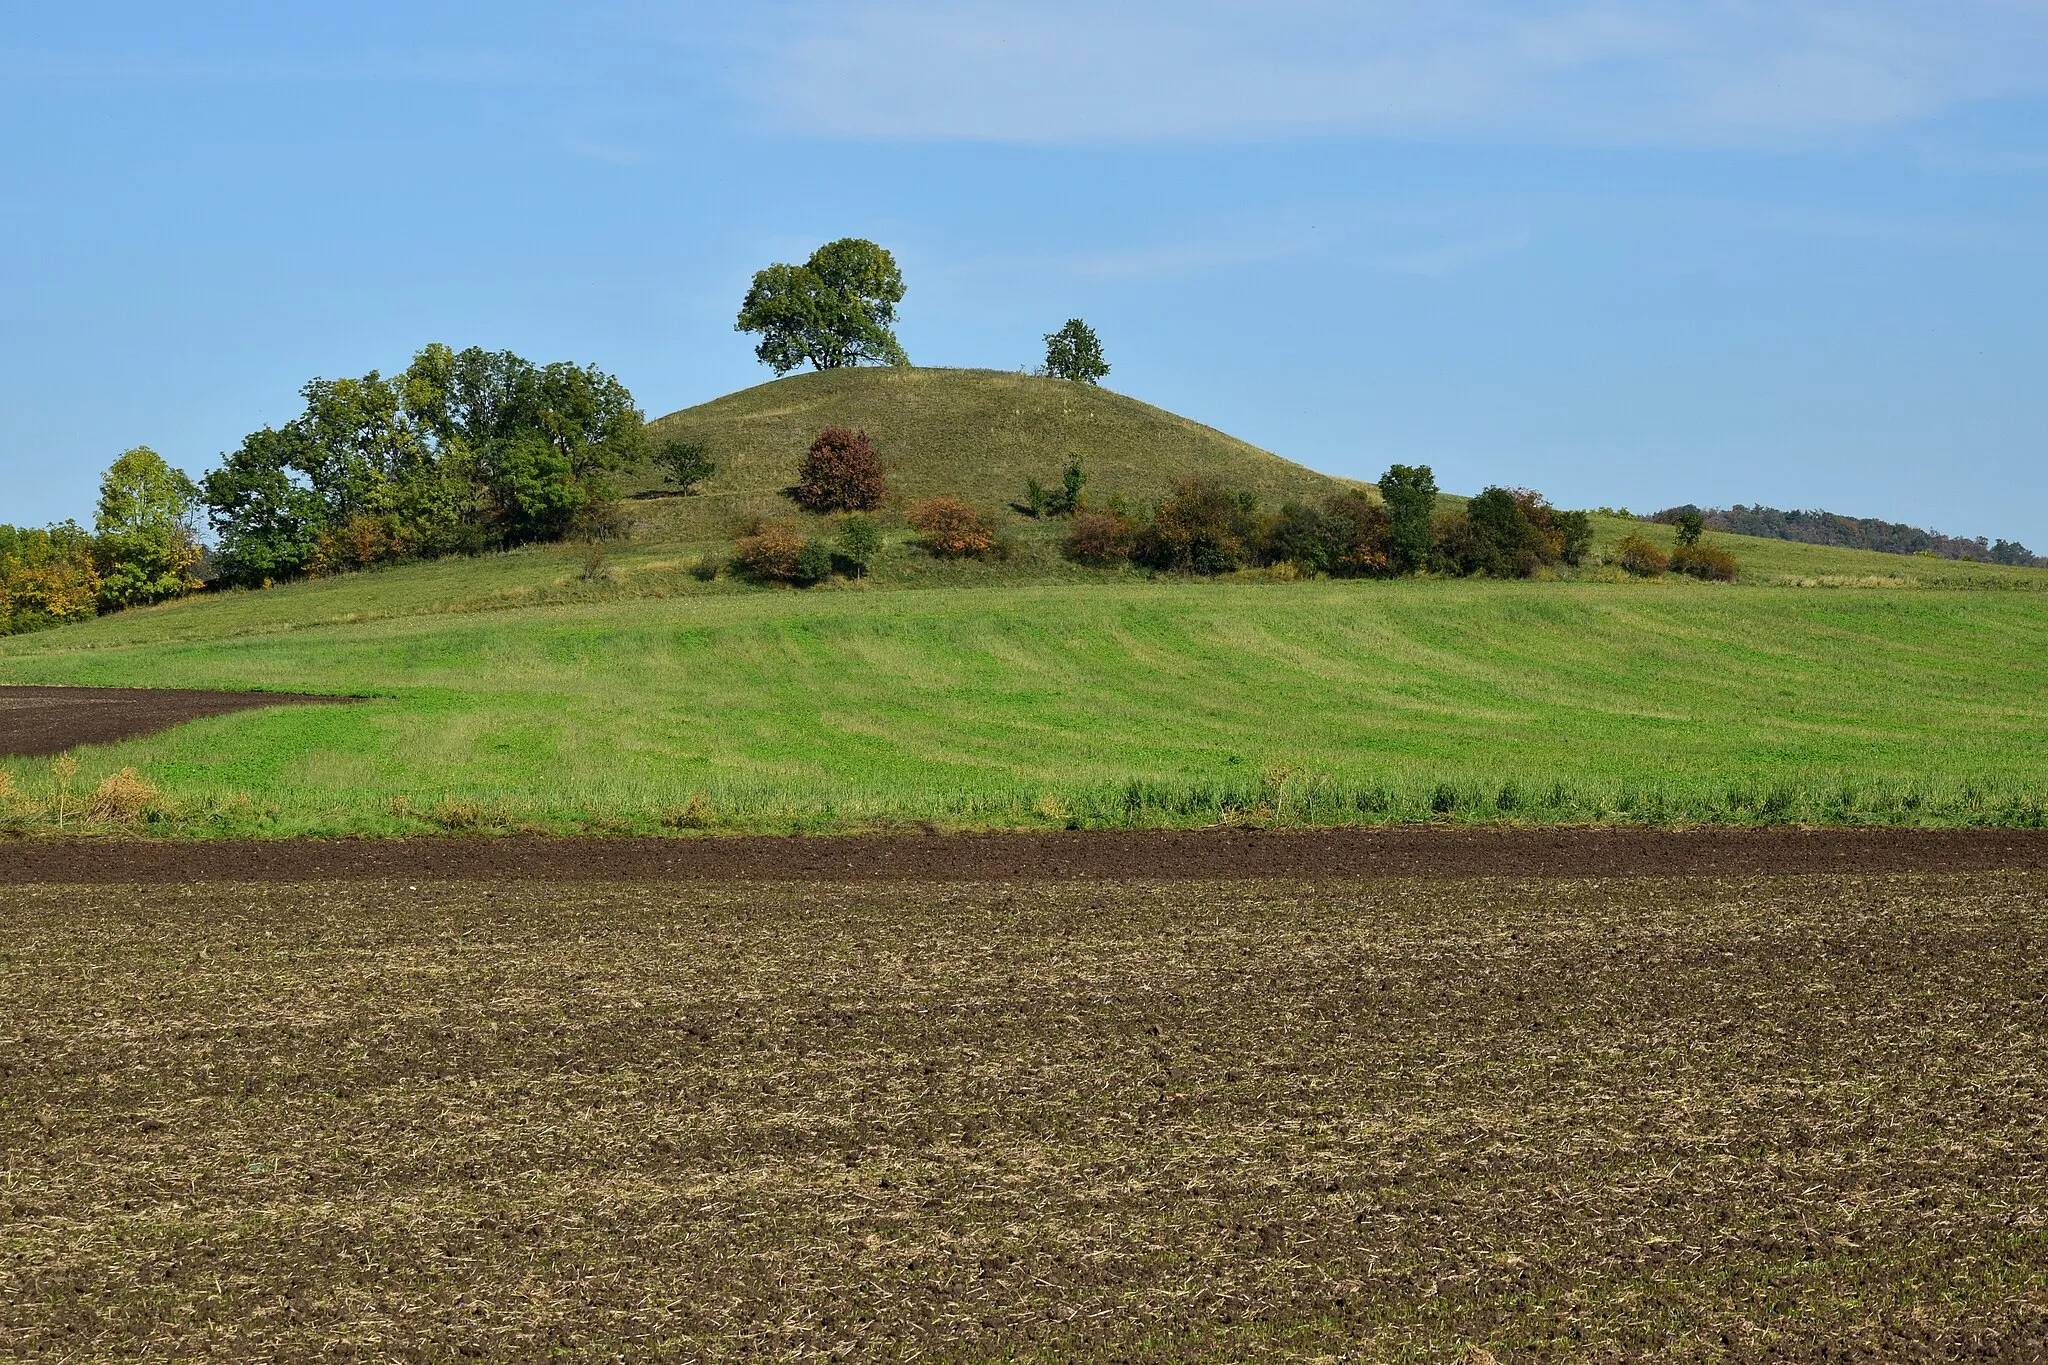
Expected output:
(687, 464)
(1064, 501)
(1575, 535)
(813, 562)
(860, 543)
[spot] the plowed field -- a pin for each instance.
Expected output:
(1742, 1117)
(35, 721)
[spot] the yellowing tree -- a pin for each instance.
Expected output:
(146, 548)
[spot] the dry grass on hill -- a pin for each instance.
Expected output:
(976, 434)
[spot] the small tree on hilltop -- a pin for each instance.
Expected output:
(1074, 353)
(840, 473)
(1690, 524)
(687, 463)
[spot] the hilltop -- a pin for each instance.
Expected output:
(976, 434)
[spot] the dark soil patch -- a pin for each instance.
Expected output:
(36, 721)
(1164, 855)
(1699, 1121)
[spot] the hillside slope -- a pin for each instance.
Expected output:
(971, 433)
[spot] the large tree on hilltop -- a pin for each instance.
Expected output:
(836, 309)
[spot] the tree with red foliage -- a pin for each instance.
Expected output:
(840, 473)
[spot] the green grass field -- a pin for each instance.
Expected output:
(638, 688)
(1097, 704)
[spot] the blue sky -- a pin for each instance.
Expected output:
(1631, 253)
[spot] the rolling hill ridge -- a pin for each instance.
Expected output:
(976, 434)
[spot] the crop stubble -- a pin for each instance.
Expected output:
(1697, 1119)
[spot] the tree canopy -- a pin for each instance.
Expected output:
(1074, 353)
(146, 548)
(836, 309)
(462, 451)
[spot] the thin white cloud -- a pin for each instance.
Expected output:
(1455, 254)
(28, 67)
(1063, 71)
(1155, 262)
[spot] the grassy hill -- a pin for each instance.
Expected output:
(976, 434)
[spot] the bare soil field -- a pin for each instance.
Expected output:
(38, 721)
(1717, 1118)
(1171, 855)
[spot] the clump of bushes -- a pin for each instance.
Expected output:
(1508, 533)
(1639, 557)
(1710, 563)
(1063, 501)
(1102, 539)
(777, 551)
(1349, 536)
(1206, 528)
(840, 473)
(951, 529)
(1202, 528)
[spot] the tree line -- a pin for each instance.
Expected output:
(1853, 533)
(1204, 527)
(461, 452)
(141, 549)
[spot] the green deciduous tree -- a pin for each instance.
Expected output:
(860, 543)
(462, 451)
(144, 544)
(1074, 353)
(836, 309)
(687, 463)
(1409, 492)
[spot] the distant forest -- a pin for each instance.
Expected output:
(1854, 533)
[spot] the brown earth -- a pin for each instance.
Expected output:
(1167, 855)
(36, 721)
(1704, 1120)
